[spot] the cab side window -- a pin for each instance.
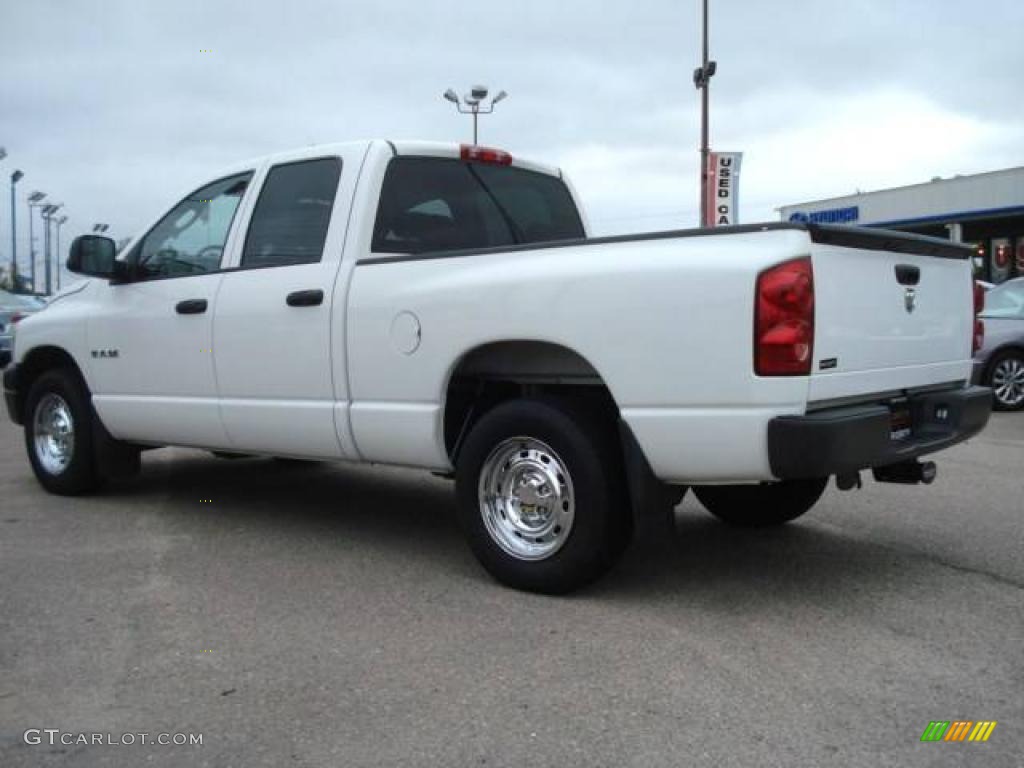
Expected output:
(289, 223)
(190, 239)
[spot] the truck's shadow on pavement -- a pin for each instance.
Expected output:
(411, 515)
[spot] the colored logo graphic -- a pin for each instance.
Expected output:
(958, 730)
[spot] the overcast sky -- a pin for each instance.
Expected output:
(113, 108)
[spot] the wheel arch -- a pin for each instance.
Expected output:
(34, 364)
(495, 371)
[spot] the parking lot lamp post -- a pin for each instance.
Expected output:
(60, 223)
(35, 200)
(47, 215)
(470, 104)
(15, 177)
(44, 215)
(702, 80)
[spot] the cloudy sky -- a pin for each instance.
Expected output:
(114, 108)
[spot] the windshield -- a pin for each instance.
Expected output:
(1006, 300)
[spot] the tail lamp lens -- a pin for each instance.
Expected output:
(784, 320)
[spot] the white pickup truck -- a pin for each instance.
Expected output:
(442, 307)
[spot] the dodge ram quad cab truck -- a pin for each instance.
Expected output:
(442, 307)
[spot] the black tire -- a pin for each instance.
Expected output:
(761, 506)
(1010, 362)
(584, 445)
(80, 474)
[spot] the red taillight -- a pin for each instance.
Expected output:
(978, 337)
(476, 154)
(784, 320)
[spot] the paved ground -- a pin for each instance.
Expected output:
(332, 616)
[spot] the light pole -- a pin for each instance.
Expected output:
(702, 79)
(15, 177)
(35, 200)
(3, 154)
(60, 223)
(44, 214)
(47, 215)
(470, 104)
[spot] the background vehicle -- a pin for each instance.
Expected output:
(14, 307)
(441, 307)
(999, 364)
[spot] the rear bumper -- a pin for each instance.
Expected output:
(12, 393)
(857, 437)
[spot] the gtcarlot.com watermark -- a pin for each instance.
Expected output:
(55, 736)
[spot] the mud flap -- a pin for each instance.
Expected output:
(652, 500)
(113, 458)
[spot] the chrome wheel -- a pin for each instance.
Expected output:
(1008, 382)
(53, 433)
(526, 498)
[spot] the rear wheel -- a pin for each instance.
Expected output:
(541, 495)
(58, 434)
(1006, 377)
(761, 506)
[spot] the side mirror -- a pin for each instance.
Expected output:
(92, 255)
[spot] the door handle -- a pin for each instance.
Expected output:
(908, 274)
(312, 298)
(191, 307)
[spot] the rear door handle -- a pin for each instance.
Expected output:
(191, 307)
(908, 274)
(311, 298)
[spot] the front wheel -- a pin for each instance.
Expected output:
(541, 495)
(761, 506)
(58, 434)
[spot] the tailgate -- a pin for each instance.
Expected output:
(892, 312)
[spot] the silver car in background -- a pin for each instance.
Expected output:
(13, 307)
(1000, 362)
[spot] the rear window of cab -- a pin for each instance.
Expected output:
(439, 204)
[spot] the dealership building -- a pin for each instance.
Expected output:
(985, 210)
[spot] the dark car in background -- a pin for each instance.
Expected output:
(1000, 362)
(13, 307)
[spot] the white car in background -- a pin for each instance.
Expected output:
(999, 363)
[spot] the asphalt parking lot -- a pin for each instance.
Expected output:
(331, 615)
